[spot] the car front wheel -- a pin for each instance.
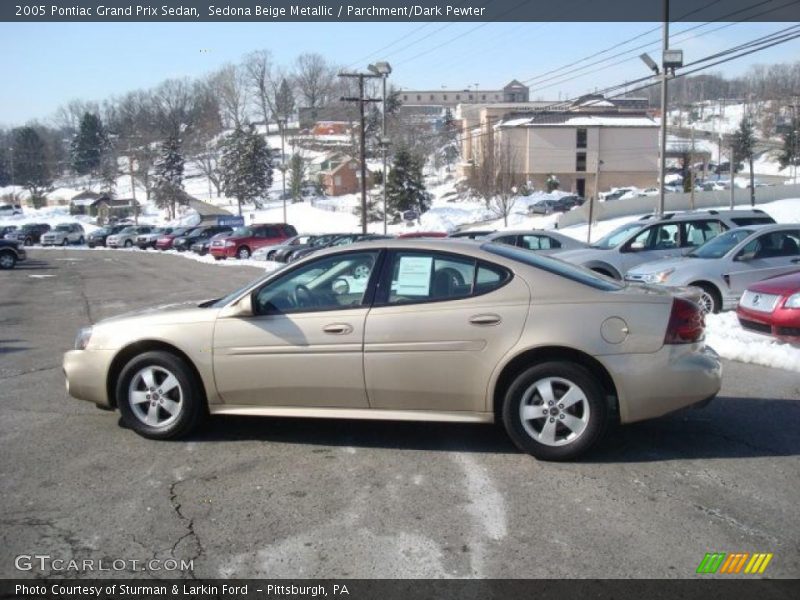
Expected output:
(7, 260)
(555, 411)
(159, 397)
(128, 243)
(243, 253)
(64, 242)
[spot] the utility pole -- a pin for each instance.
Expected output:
(596, 195)
(384, 144)
(362, 138)
(731, 162)
(662, 169)
(282, 128)
(11, 160)
(133, 190)
(691, 175)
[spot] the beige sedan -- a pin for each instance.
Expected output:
(409, 330)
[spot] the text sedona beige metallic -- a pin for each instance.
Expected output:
(410, 330)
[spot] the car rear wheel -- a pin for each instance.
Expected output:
(7, 260)
(159, 397)
(555, 411)
(710, 298)
(81, 241)
(243, 253)
(29, 241)
(64, 242)
(128, 243)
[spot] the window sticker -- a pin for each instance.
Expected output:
(414, 276)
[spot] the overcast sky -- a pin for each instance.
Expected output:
(47, 64)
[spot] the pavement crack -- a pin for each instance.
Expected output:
(177, 508)
(39, 370)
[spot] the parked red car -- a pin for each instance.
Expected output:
(165, 241)
(772, 307)
(244, 240)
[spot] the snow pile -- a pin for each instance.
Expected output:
(726, 336)
(447, 217)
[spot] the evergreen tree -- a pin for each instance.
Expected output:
(246, 166)
(284, 101)
(5, 168)
(374, 211)
(31, 169)
(790, 153)
(168, 175)
(405, 187)
(89, 145)
(297, 174)
(744, 142)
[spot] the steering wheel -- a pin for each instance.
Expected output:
(303, 296)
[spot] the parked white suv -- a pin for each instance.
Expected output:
(8, 210)
(66, 233)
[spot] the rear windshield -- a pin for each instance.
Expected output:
(745, 221)
(553, 265)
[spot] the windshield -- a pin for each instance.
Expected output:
(721, 245)
(553, 265)
(128, 230)
(235, 294)
(62, 228)
(242, 232)
(616, 237)
(197, 231)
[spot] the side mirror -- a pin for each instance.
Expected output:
(243, 308)
(635, 246)
(742, 257)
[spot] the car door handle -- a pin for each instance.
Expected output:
(338, 328)
(485, 319)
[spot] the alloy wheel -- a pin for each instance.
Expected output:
(554, 411)
(6, 260)
(155, 396)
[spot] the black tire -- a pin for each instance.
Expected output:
(243, 253)
(193, 406)
(712, 299)
(28, 241)
(596, 420)
(64, 242)
(128, 243)
(8, 260)
(219, 258)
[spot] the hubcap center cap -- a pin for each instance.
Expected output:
(554, 411)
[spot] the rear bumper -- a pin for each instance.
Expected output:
(652, 385)
(223, 251)
(86, 372)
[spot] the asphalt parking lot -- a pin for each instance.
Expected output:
(312, 498)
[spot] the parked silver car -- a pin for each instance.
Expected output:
(148, 240)
(724, 267)
(546, 241)
(66, 233)
(127, 237)
(651, 238)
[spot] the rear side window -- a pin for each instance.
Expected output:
(697, 233)
(418, 277)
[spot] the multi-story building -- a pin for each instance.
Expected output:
(590, 145)
(514, 91)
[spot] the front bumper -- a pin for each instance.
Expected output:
(781, 323)
(652, 385)
(86, 372)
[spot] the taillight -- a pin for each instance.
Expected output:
(686, 322)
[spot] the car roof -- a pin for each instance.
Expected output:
(523, 232)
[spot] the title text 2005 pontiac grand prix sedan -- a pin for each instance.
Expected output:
(409, 330)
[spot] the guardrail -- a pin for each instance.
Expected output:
(676, 202)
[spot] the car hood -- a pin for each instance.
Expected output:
(180, 312)
(664, 264)
(785, 285)
(581, 255)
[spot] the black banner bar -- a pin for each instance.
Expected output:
(387, 589)
(394, 10)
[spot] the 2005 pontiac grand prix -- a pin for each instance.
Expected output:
(410, 330)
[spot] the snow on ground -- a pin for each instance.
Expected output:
(726, 336)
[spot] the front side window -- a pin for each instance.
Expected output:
(777, 244)
(658, 237)
(333, 282)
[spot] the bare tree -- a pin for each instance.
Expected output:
(315, 79)
(506, 181)
(231, 85)
(258, 71)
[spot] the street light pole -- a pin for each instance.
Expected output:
(282, 127)
(384, 142)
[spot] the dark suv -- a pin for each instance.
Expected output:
(198, 234)
(244, 240)
(28, 234)
(11, 252)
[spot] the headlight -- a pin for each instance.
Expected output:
(83, 337)
(658, 277)
(793, 301)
